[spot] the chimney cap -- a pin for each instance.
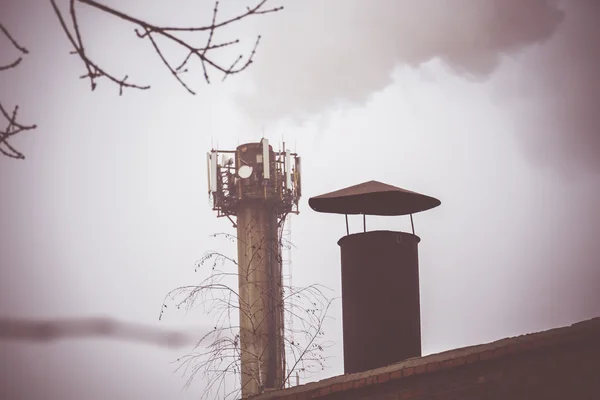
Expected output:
(373, 198)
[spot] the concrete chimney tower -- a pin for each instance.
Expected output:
(380, 276)
(259, 187)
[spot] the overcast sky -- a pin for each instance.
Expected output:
(490, 106)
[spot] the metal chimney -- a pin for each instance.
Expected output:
(380, 276)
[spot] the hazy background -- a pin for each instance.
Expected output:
(490, 106)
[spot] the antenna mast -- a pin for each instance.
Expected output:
(259, 188)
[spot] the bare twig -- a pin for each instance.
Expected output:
(13, 41)
(13, 127)
(12, 64)
(147, 30)
(217, 355)
(70, 25)
(311, 344)
(93, 70)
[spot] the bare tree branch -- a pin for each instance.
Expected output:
(13, 41)
(93, 70)
(12, 64)
(70, 25)
(50, 330)
(310, 346)
(147, 30)
(13, 127)
(217, 355)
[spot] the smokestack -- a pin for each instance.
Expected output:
(380, 276)
(258, 187)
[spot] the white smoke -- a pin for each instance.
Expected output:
(315, 54)
(318, 52)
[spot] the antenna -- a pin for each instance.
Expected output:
(266, 162)
(213, 170)
(208, 171)
(288, 170)
(244, 171)
(297, 177)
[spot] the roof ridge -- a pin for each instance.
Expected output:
(446, 360)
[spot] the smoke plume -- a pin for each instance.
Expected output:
(316, 54)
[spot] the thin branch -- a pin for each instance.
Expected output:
(308, 346)
(256, 10)
(217, 355)
(12, 64)
(94, 71)
(148, 34)
(146, 30)
(13, 127)
(16, 44)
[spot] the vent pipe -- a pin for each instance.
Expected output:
(380, 276)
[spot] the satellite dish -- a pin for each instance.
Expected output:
(244, 171)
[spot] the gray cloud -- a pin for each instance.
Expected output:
(316, 53)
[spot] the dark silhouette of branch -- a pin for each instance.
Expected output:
(147, 30)
(50, 330)
(310, 346)
(205, 54)
(93, 70)
(16, 45)
(13, 127)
